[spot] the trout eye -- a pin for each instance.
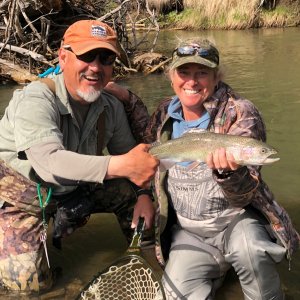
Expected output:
(263, 150)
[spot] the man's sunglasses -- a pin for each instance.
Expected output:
(211, 54)
(105, 56)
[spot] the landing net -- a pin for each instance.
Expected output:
(130, 279)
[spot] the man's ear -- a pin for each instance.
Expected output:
(62, 56)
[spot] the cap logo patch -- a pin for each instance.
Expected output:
(98, 31)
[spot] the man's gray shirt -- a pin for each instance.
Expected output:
(37, 121)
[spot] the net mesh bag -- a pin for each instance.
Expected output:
(130, 279)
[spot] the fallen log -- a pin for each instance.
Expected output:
(26, 52)
(158, 66)
(16, 73)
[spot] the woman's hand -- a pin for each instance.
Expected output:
(220, 160)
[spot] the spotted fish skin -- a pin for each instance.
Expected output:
(195, 145)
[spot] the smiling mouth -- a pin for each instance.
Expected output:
(191, 92)
(91, 78)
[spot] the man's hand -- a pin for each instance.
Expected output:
(143, 208)
(137, 165)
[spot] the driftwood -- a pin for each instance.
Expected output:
(15, 72)
(25, 52)
(32, 29)
(149, 62)
(159, 66)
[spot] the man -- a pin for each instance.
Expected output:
(49, 137)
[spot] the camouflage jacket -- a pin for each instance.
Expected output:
(237, 116)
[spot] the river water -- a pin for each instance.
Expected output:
(264, 66)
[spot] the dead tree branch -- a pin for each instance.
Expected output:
(33, 29)
(114, 11)
(25, 52)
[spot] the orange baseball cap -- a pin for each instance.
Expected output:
(85, 35)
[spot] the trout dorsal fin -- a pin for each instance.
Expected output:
(156, 143)
(194, 130)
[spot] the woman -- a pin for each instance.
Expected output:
(218, 214)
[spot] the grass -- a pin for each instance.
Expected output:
(279, 17)
(228, 14)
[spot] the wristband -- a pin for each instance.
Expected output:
(145, 192)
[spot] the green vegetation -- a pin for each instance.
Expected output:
(279, 17)
(231, 14)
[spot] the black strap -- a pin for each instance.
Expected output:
(101, 132)
(101, 120)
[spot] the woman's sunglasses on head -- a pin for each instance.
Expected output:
(105, 56)
(209, 54)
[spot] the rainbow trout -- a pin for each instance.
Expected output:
(196, 144)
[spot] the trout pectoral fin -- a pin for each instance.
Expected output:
(166, 164)
(193, 165)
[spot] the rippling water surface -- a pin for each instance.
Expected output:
(264, 66)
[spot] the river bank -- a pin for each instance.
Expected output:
(36, 47)
(263, 65)
(227, 14)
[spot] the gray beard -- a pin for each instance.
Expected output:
(90, 96)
